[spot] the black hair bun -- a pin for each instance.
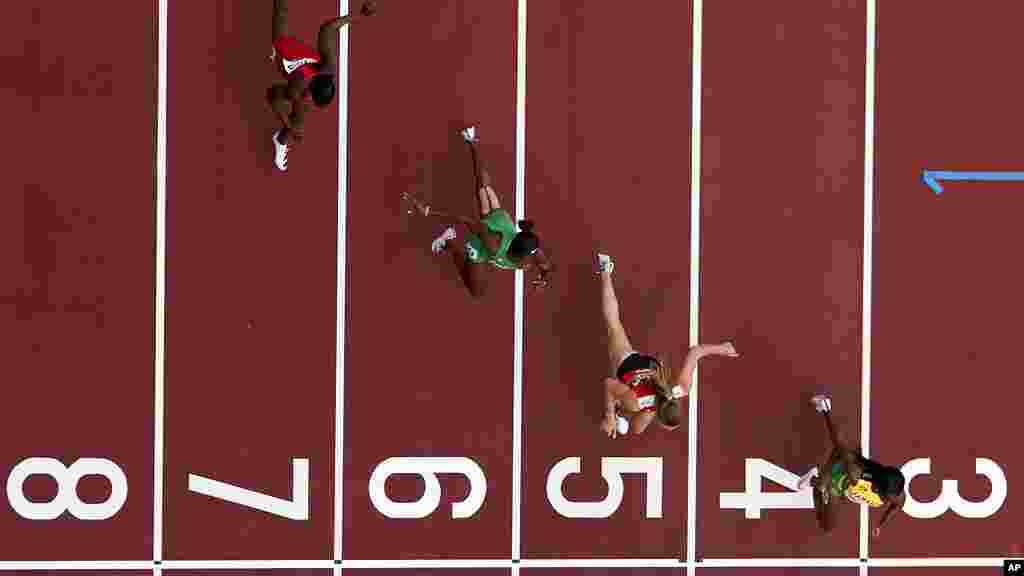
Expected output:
(526, 225)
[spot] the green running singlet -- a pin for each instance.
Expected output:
(500, 222)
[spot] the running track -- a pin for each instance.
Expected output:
(136, 183)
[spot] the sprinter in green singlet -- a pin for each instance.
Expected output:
(492, 240)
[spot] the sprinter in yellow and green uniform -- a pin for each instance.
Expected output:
(858, 492)
(848, 474)
(492, 240)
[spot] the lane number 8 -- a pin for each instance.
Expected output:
(67, 478)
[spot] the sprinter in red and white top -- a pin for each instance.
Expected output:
(310, 75)
(643, 389)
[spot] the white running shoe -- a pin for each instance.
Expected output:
(805, 480)
(822, 403)
(280, 153)
(441, 242)
(621, 425)
(605, 264)
(469, 134)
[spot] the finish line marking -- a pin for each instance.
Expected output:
(504, 563)
(933, 178)
(697, 87)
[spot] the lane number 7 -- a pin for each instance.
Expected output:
(295, 509)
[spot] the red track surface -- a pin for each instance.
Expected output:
(245, 245)
(251, 257)
(947, 291)
(420, 355)
(608, 126)
(76, 307)
(782, 247)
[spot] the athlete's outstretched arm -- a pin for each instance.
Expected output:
(694, 356)
(474, 226)
(327, 39)
(896, 503)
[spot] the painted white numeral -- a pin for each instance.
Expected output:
(612, 470)
(67, 482)
(949, 498)
(753, 500)
(427, 469)
(295, 509)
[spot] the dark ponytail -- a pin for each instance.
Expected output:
(525, 242)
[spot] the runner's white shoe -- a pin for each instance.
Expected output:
(605, 264)
(280, 153)
(621, 425)
(469, 134)
(822, 403)
(441, 242)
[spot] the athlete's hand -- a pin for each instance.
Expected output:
(423, 209)
(608, 426)
(539, 283)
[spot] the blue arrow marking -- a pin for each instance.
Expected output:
(933, 177)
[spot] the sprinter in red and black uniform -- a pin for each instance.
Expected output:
(310, 73)
(643, 388)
